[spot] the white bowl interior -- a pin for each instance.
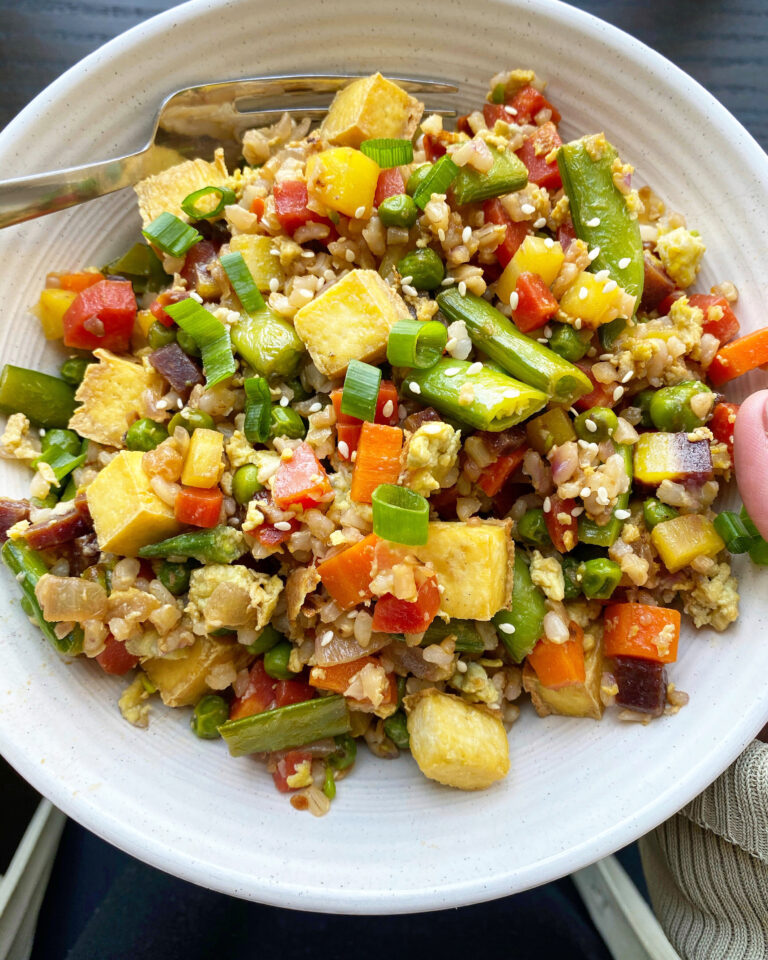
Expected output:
(393, 842)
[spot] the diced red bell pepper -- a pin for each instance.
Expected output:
(391, 615)
(562, 532)
(258, 696)
(566, 234)
(161, 301)
(494, 476)
(101, 316)
(534, 152)
(601, 396)
(287, 767)
(666, 304)
(302, 480)
(725, 327)
(494, 212)
(462, 125)
(348, 428)
(269, 536)
(198, 507)
(292, 691)
(528, 101)
(495, 111)
(115, 659)
(722, 423)
(433, 148)
(291, 199)
(389, 184)
(535, 303)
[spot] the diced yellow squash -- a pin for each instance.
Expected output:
(597, 306)
(350, 320)
(50, 310)
(343, 179)
(112, 397)
(368, 108)
(203, 465)
(182, 680)
(126, 513)
(144, 320)
(257, 253)
(456, 743)
(682, 539)
(165, 191)
(474, 564)
(574, 700)
(533, 255)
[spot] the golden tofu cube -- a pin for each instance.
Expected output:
(257, 253)
(112, 398)
(532, 256)
(182, 680)
(474, 564)
(369, 108)
(574, 700)
(50, 310)
(682, 539)
(165, 191)
(343, 179)
(203, 466)
(126, 513)
(456, 743)
(350, 320)
(588, 300)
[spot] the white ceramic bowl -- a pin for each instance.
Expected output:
(394, 842)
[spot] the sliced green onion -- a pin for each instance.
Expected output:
(442, 174)
(361, 390)
(258, 406)
(211, 336)
(387, 152)
(415, 344)
(190, 203)
(61, 461)
(400, 515)
(734, 532)
(171, 235)
(242, 280)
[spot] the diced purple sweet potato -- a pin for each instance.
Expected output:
(642, 685)
(657, 284)
(172, 363)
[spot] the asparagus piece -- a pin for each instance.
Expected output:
(287, 727)
(221, 544)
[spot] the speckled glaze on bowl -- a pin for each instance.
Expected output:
(394, 842)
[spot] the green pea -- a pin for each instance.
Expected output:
(571, 578)
(73, 369)
(599, 578)
(276, 661)
(268, 638)
(66, 440)
(642, 401)
(604, 421)
(245, 483)
(329, 784)
(567, 342)
(396, 729)
(159, 335)
(655, 512)
(416, 178)
(145, 434)
(285, 422)
(424, 267)
(174, 577)
(398, 211)
(191, 420)
(346, 751)
(208, 716)
(532, 528)
(670, 408)
(187, 343)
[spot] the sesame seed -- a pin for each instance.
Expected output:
(609, 286)
(462, 288)
(474, 368)
(512, 111)
(274, 284)
(359, 213)
(408, 290)
(547, 505)
(602, 493)
(316, 407)
(414, 387)
(452, 372)
(326, 638)
(441, 235)
(402, 413)
(284, 401)
(514, 299)
(307, 254)
(541, 340)
(583, 293)
(547, 332)
(528, 208)
(283, 525)
(507, 628)
(602, 275)
(354, 456)
(573, 412)
(627, 376)
(624, 263)
(408, 279)
(447, 281)
(622, 514)
(274, 251)
(466, 234)
(594, 222)
(349, 255)
(577, 511)
(511, 393)
(585, 492)
(549, 243)
(618, 393)
(161, 404)
(461, 666)
(388, 408)
(41, 431)
(344, 449)
(540, 223)
(194, 295)
(590, 425)
(593, 254)
(577, 323)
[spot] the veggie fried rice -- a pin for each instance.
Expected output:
(381, 431)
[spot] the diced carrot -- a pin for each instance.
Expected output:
(494, 212)
(302, 480)
(389, 184)
(433, 148)
(534, 152)
(494, 476)
(336, 677)
(348, 434)
(639, 630)
(559, 664)
(739, 357)
(347, 575)
(198, 506)
(258, 206)
(528, 101)
(378, 460)
(79, 281)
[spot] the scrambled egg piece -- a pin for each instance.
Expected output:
(677, 335)
(475, 684)
(547, 573)
(165, 191)
(714, 599)
(253, 517)
(680, 251)
(252, 595)
(302, 775)
(15, 443)
(131, 703)
(430, 455)
(239, 451)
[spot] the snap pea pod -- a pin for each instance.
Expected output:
(286, 727)
(268, 344)
(468, 640)
(507, 174)
(520, 627)
(601, 217)
(605, 535)
(221, 544)
(571, 578)
(486, 400)
(521, 356)
(45, 400)
(28, 566)
(532, 528)
(142, 267)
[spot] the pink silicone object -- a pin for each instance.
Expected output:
(750, 442)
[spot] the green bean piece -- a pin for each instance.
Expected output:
(521, 627)
(187, 343)
(654, 512)
(487, 400)
(571, 577)
(268, 638)
(596, 424)
(734, 532)
(522, 356)
(642, 401)
(329, 784)
(601, 217)
(670, 408)
(66, 440)
(507, 174)
(191, 420)
(468, 640)
(567, 342)
(758, 552)
(73, 369)
(159, 335)
(208, 716)
(276, 661)
(417, 178)
(145, 434)
(268, 344)
(605, 535)
(549, 429)
(396, 729)
(398, 211)
(46, 401)
(609, 333)
(245, 483)
(27, 566)
(220, 544)
(424, 267)
(285, 422)
(599, 578)
(174, 576)
(346, 752)
(287, 727)
(532, 528)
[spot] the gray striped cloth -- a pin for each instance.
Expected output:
(707, 867)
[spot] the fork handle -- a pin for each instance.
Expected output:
(25, 198)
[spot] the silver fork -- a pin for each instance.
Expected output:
(193, 121)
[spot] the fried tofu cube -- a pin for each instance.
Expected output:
(257, 253)
(574, 700)
(183, 680)
(126, 513)
(343, 179)
(111, 397)
(369, 108)
(474, 565)
(164, 191)
(455, 742)
(350, 320)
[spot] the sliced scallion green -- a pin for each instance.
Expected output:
(171, 235)
(211, 336)
(191, 203)
(441, 175)
(388, 152)
(62, 461)
(242, 280)
(415, 344)
(400, 515)
(734, 532)
(361, 390)
(258, 405)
